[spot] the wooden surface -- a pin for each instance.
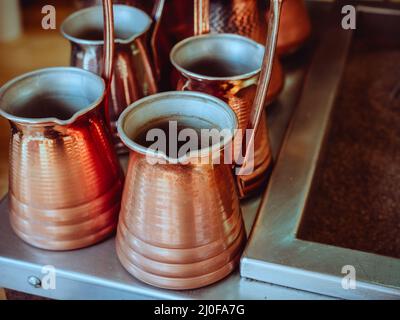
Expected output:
(37, 48)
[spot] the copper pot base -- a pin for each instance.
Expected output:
(90, 240)
(56, 232)
(175, 283)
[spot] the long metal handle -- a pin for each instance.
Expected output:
(108, 52)
(108, 55)
(201, 17)
(158, 11)
(263, 85)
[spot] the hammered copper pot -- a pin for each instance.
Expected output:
(247, 18)
(180, 225)
(133, 75)
(65, 178)
(244, 17)
(228, 67)
(294, 28)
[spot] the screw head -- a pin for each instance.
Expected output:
(35, 282)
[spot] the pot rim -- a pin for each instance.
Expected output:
(51, 120)
(144, 102)
(233, 36)
(116, 7)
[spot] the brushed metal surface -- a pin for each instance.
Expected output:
(274, 253)
(65, 179)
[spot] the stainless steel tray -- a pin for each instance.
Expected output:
(275, 254)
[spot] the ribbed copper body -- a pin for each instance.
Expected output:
(65, 179)
(294, 27)
(238, 91)
(180, 225)
(133, 75)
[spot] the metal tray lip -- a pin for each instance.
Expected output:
(273, 249)
(377, 10)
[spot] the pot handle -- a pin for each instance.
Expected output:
(202, 25)
(158, 11)
(201, 17)
(261, 94)
(108, 51)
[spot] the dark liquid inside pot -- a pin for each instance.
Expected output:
(165, 134)
(213, 67)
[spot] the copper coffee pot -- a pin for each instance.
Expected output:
(228, 67)
(243, 17)
(133, 76)
(294, 28)
(180, 224)
(65, 178)
(176, 20)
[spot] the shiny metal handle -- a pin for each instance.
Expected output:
(108, 41)
(108, 54)
(264, 82)
(157, 13)
(201, 17)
